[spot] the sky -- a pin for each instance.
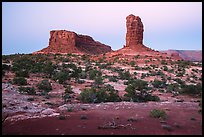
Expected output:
(26, 26)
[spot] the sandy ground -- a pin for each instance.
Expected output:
(114, 118)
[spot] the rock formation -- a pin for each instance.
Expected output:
(134, 35)
(62, 41)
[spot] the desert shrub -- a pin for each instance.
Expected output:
(85, 57)
(158, 113)
(22, 73)
(143, 75)
(171, 70)
(105, 94)
(44, 85)
(137, 67)
(88, 95)
(98, 81)
(62, 117)
(49, 68)
(37, 67)
(112, 94)
(19, 81)
(137, 92)
(23, 62)
(173, 87)
(160, 73)
(61, 77)
(76, 72)
(137, 56)
(135, 73)
(165, 68)
(94, 73)
(88, 67)
(169, 78)
(124, 75)
(195, 70)
(179, 81)
(158, 84)
(101, 96)
(31, 99)
(132, 63)
(68, 89)
(183, 64)
(6, 67)
(192, 89)
(163, 62)
(28, 90)
(66, 95)
(104, 66)
(83, 75)
(113, 78)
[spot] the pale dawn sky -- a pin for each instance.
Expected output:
(167, 25)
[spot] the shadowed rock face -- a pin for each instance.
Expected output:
(134, 35)
(62, 41)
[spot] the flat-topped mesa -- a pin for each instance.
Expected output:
(134, 35)
(62, 41)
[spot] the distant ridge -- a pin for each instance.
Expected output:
(190, 55)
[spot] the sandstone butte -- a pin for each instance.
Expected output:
(62, 41)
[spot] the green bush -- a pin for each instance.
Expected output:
(98, 81)
(113, 78)
(165, 68)
(137, 92)
(105, 94)
(158, 113)
(68, 89)
(179, 81)
(44, 85)
(137, 67)
(49, 68)
(88, 95)
(6, 67)
(28, 90)
(158, 84)
(22, 73)
(132, 63)
(192, 89)
(124, 75)
(163, 62)
(83, 75)
(94, 73)
(112, 94)
(61, 77)
(136, 56)
(19, 81)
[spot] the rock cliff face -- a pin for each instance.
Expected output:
(62, 41)
(134, 35)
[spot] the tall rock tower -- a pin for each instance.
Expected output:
(134, 35)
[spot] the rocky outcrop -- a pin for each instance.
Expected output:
(134, 35)
(62, 41)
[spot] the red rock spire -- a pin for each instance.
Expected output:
(134, 35)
